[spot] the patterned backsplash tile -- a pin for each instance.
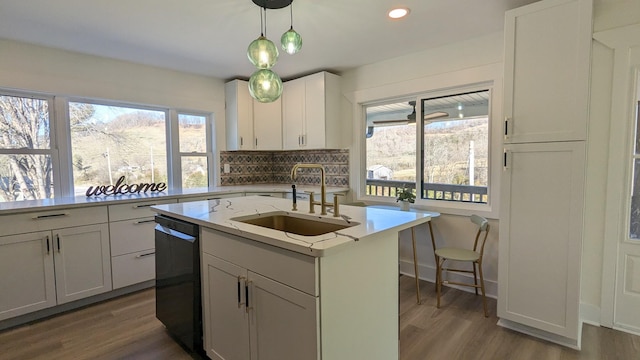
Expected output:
(274, 167)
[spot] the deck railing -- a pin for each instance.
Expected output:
(448, 192)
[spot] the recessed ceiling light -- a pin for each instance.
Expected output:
(398, 13)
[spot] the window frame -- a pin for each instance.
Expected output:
(482, 77)
(67, 123)
(60, 138)
(53, 135)
(456, 206)
(177, 154)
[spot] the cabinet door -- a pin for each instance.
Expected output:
(267, 125)
(82, 262)
(547, 59)
(293, 112)
(225, 317)
(27, 280)
(540, 236)
(239, 115)
(283, 321)
(314, 131)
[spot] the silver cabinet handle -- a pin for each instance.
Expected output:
(58, 241)
(48, 248)
(247, 286)
(241, 285)
(506, 127)
(145, 255)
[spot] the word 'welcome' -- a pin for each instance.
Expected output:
(121, 188)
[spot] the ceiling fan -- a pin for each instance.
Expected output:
(411, 118)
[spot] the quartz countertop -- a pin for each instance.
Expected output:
(82, 201)
(219, 215)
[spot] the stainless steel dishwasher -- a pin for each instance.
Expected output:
(178, 294)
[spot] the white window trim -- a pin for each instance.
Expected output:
(486, 76)
(209, 145)
(53, 150)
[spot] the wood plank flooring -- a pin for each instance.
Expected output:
(126, 328)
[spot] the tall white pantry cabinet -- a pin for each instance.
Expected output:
(547, 63)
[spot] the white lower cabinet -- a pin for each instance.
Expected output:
(250, 316)
(82, 262)
(48, 268)
(282, 320)
(27, 277)
(132, 251)
(131, 229)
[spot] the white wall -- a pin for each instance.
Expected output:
(455, 64)
(36, 68)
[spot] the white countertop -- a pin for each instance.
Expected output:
(217, 214)
(80, 201)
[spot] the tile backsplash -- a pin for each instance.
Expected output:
(274, 167)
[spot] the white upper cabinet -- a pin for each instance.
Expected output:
(310, 114)
(250, 124)
(547, 60)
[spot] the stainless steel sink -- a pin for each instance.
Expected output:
(296, 223)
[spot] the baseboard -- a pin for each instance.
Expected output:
(541, 334)
(55, 310)
(590, 314)
(428, 273)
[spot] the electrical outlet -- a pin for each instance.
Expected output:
(227, 168)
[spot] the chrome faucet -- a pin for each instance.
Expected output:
(323, 191)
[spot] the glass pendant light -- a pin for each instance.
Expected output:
(262, 52)
(291, 41)
(265, 86)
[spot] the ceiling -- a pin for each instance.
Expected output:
(210, 37)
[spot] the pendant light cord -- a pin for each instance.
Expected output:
(261, 23)
(291, 8)
(265, 22)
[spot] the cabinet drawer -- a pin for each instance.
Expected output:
(133, 268)
(129, 236)
(52, 219)
(288, 267)
(135, 210)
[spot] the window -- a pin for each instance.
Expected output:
(390, 147)
(455, 147)
(193, 150)
(26, 158)
(97, 143)
(109, 141)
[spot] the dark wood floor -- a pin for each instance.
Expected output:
(126, 328)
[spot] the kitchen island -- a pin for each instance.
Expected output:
(275, 294)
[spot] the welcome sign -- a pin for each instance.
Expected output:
(121, 188)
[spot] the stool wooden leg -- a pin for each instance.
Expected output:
(415, 264)
(484, 298)
(438, 282)
(433, 243)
